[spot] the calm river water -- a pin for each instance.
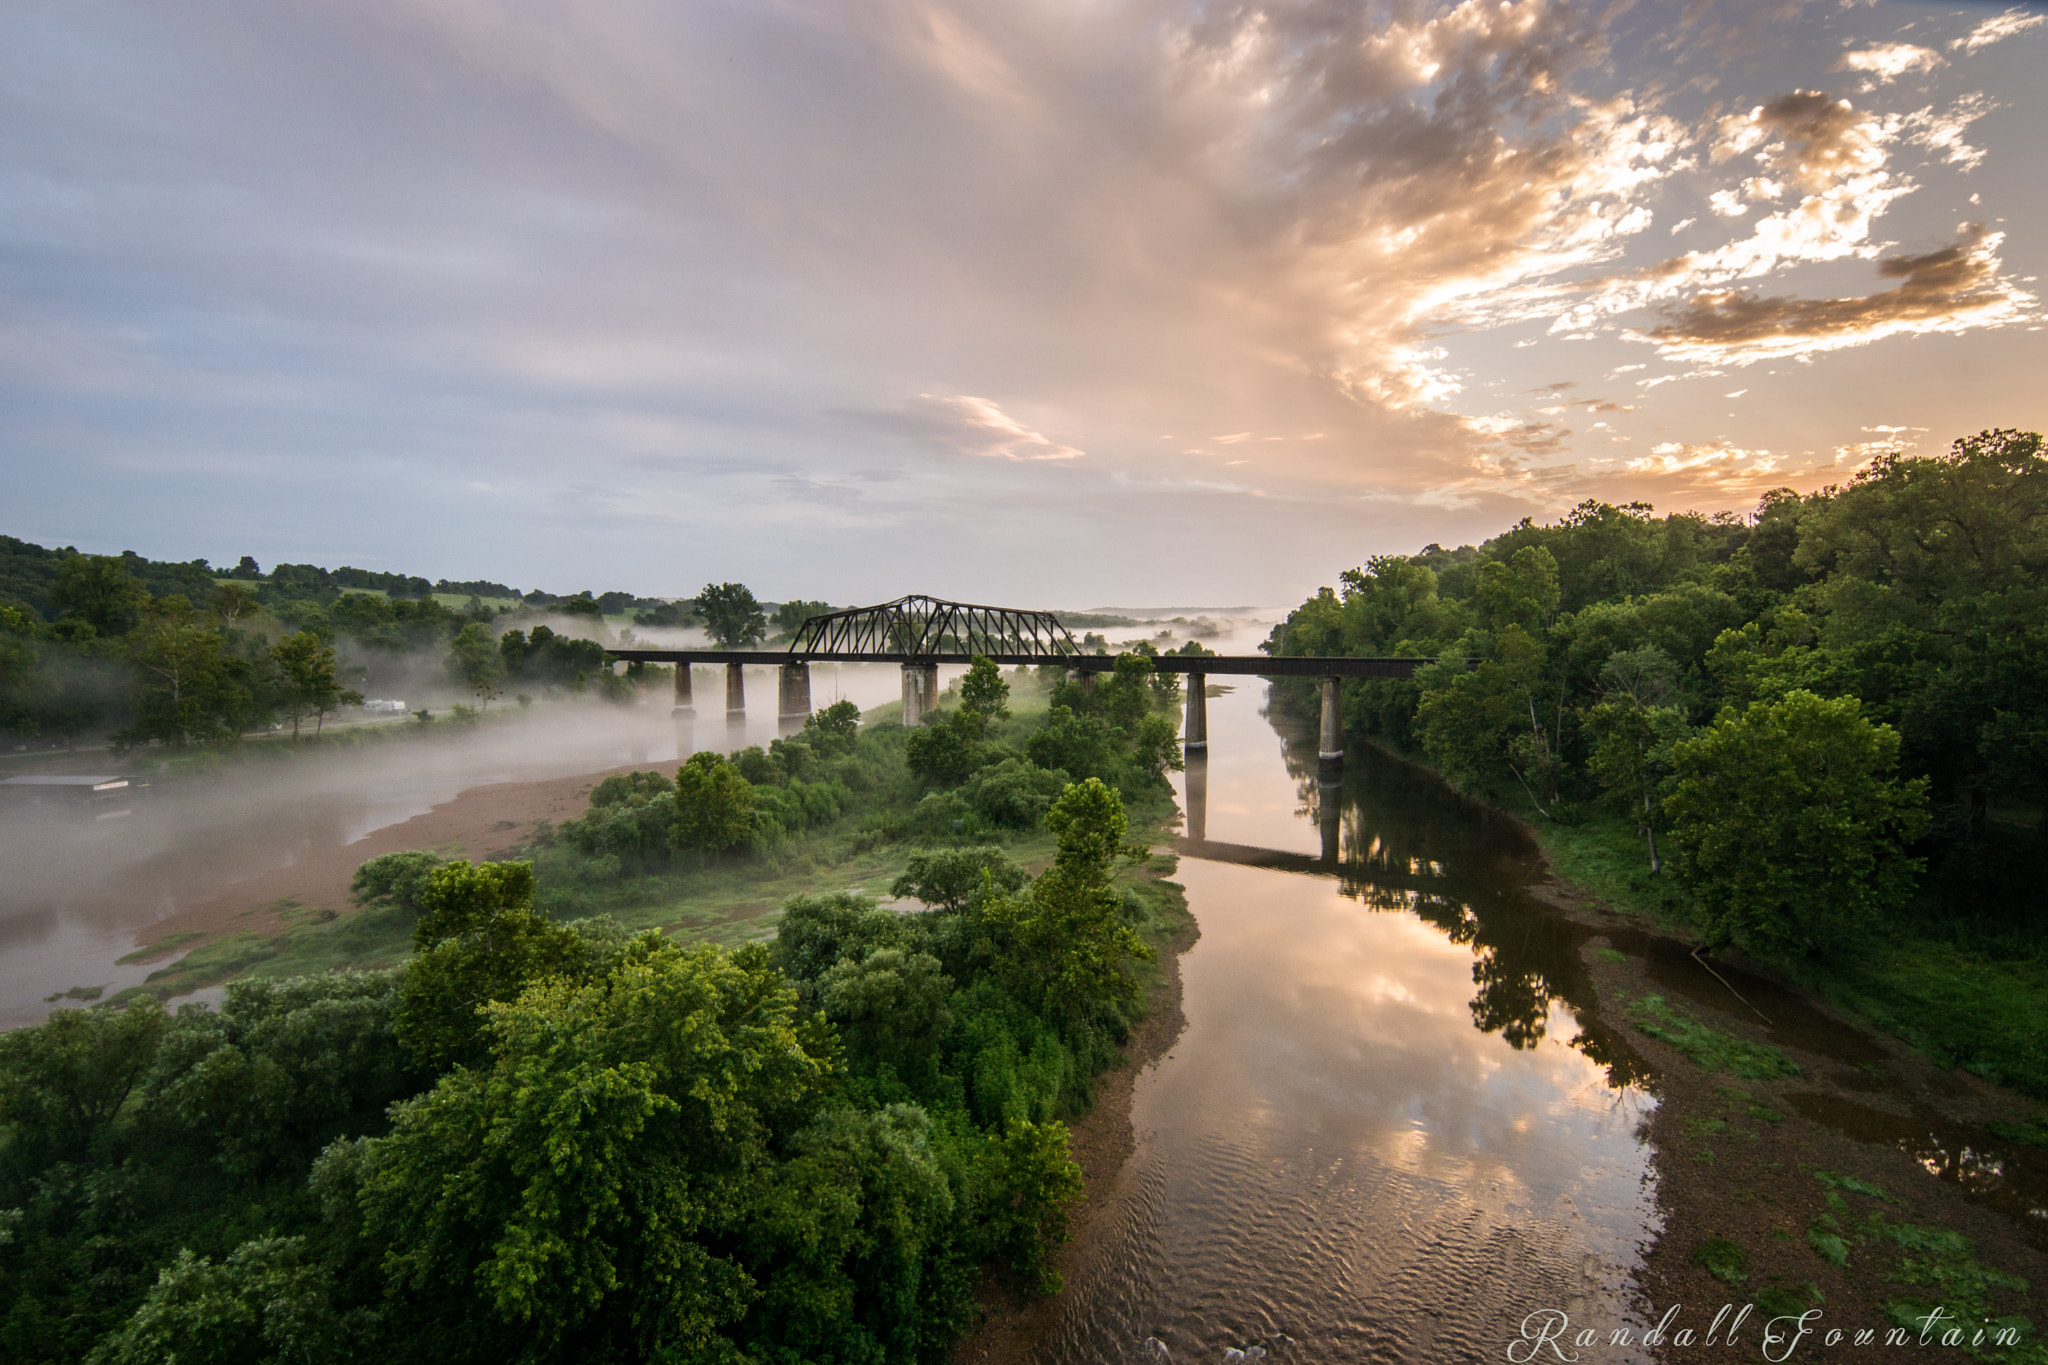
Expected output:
(1384, 1134)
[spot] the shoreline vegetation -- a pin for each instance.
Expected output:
(1804, 752)
(558, 1130)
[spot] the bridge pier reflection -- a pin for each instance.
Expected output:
(1330, 815)
(1197, 796)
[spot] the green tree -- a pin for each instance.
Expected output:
(1030, 1180)
(714, 804)
(731, 615)
(1974, 520)
(1499, 717)
(984, 697)
(951, 877)
(232, 602)
(63, 1081)
(1521, 591)
(1633, 726)
(282, 1068)
(1075, 743)
(193, 690)
(1789, 823)
(24, 686)
(479, 940)
(791, 615)
(306, 670)
(398, 879)
(1390, 599)
(268, 1303)
(1066, 944)
(943, 752)
(473, 660)
(831, 730)
(99, 590)
(584, 1192)
(891, 1005)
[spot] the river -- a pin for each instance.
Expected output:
(81, 890)
(1385, 1133)
(1394, 1126)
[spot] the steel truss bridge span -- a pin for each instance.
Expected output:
(926, 627)
(1258, 665)
(923, 633)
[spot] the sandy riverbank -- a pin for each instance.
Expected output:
(479, 823)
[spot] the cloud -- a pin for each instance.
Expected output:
(1942, 133)
(1835, 156)
(967, 425)
(707, 256)
(1889, 61)
(1724, 462)
(1948, 290)
(1998, 29)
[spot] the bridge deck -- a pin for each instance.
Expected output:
(1211, 665)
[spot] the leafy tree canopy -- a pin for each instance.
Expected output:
(1788, 819)
(731, 615)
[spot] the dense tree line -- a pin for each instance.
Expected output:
(554, 1140)
(1800, 710)
(180, 654)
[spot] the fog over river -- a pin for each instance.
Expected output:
(1395, 1123)
(78, 893)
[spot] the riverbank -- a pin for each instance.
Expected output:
(1805, 1157)
(1805, 1161)
(1102, 1141)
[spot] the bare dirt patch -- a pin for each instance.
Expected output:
(479, 823)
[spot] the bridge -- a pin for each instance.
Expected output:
(922, 633)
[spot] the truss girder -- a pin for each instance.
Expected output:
(921, 627)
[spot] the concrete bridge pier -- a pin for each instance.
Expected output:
(1195, 738)
(684, 705)
(1087, 680)
(1330, 752)
(920, 692)
(735, 691)
(794, 687)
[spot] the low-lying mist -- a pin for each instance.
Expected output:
(83, 888)
(83, 885)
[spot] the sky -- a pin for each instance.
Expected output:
(1031, 302)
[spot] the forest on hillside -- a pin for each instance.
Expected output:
(1823, 727)
(180, 654)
